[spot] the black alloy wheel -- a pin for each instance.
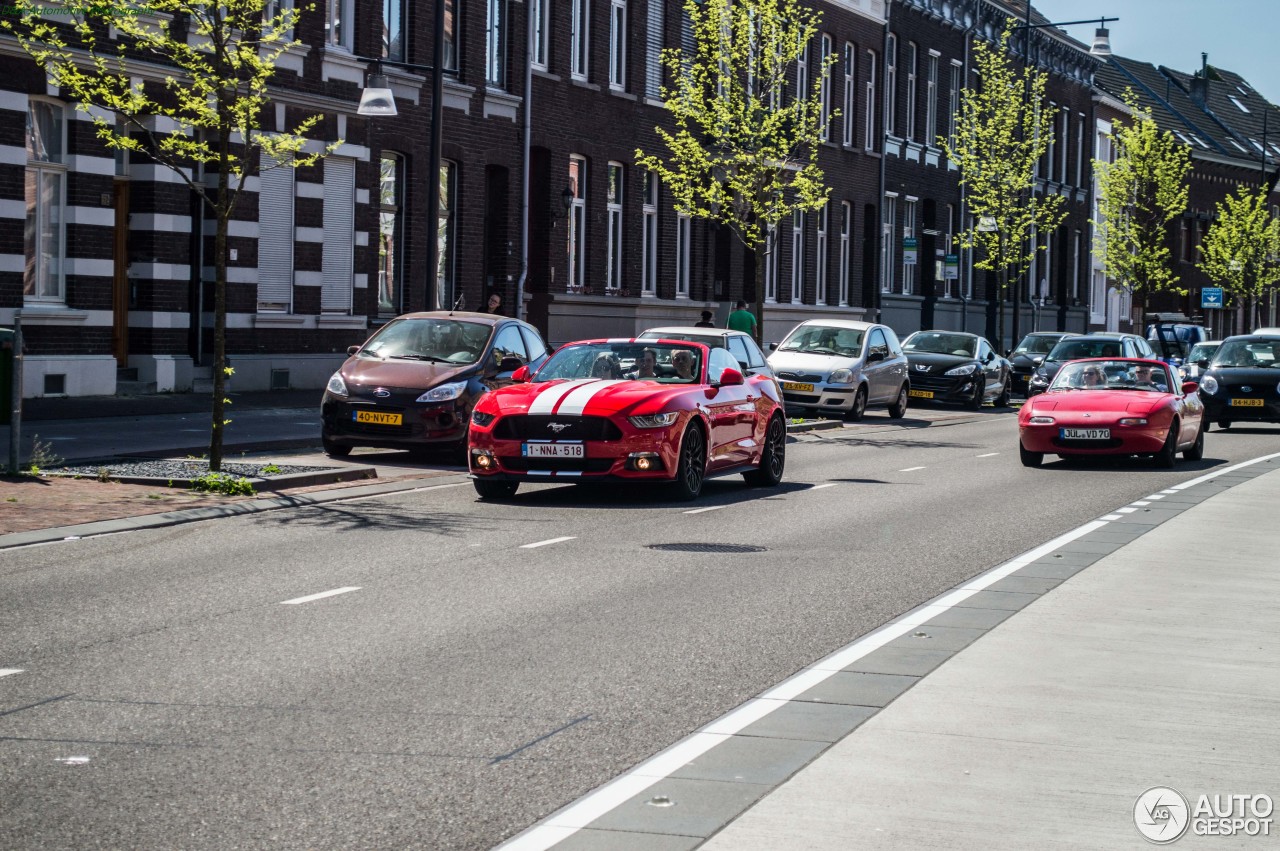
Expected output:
(859, 408)
(334, 450)
(1168, 454)
(1029, 459)
(692, 468)
(979, 392)
(1002, 401)
(774, 458)
(1196, 451)
(490, 489)
(898, 409)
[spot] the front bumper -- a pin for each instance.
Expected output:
(944, 388)
(1218, 407)
(602, 460)
(824, 397)
(1124, 440)
(437, 424)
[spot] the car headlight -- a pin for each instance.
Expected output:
(444, 392)
(482, 419)
(1133, 421)
(654, 420)
(1041, 377)
(1209, 384)
(336, 385)
(967, 369)
(1041, 420)
(841, 376)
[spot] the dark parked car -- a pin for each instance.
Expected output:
(1242, 382)
(412, 385)
(1198, 360)
(951, 366)
(1029, 354)
(1086, 346)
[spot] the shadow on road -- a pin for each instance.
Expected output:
(715, 492)
(374, 516)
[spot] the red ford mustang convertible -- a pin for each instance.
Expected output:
(629, 410)
(1113, 407)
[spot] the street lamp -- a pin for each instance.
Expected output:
(1102, 48)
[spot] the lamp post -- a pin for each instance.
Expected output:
(378, 99)
(1101, 47)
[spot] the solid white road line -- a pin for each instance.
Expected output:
(320, 596)
(395, 493)
(701, 510)
(548, 541)
(910, 469)
(4, 672)
(988, 455)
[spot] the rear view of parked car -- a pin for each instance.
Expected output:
(842, 367)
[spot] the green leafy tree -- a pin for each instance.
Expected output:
(189, 81)
(1241, 251)
(1139, 195)
(744, 149)
(1000, 135)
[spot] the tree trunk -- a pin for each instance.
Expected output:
(220, 305)
(761, 259)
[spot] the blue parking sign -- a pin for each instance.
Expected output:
(1211, 297)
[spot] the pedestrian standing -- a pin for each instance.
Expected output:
(706, 322)
(741, 319)
(495, 304)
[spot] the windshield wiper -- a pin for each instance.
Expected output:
(431, 358)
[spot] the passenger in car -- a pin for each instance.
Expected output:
(606, 366)
(682, 360)
(647, 368)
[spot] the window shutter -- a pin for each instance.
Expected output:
(653, 50)
(339, 235)
(275, 236)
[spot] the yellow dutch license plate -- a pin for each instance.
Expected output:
(921, 394)
(1246, 403)
(377, 418)
(797, 388)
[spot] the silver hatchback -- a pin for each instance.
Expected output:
(842, 366)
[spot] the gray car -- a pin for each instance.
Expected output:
(842, 366)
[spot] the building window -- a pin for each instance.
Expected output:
(909, 261)
(446, 218)
(46, 180)
(824, 92)
(275, 235)
(797, 257)
(1049, 159)
(390, 228)
(649, 235)
(1064, 143)
(911, 90)
(538, 51)
(1075, 268)
(452, 26)
(886, 242)
(653, 42)
(613, 209)
(850, 93)
(948, 248)
(618, 44)
(684, 249)
(846, 231)
(339, 23)
(273, 9)
(336, 260)
(802, 73)
(495, 46)
(820, 259)
(577, 246)
(953, 102)
(771, 263)
(579, 37)
(891, 86)
(1079, 149)
(931, 102)
(869, 118)
(393, 30)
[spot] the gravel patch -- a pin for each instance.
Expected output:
(168, 468)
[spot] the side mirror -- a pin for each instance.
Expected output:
(729, 378)
(351, 350)
(874, 356)
(773, 347)
(1189, 387)
(521, 375)
(510, 364)
(1203, 363)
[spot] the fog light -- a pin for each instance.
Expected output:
(483, 459)
(644, 461)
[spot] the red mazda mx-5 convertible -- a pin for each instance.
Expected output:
(665, 411)
(1116, 406)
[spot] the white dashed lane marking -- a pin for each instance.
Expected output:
(988, 455)
(820, 487)
(701, 510)
(4, 672)
(547, 542)
(310, 597)
(910, 469)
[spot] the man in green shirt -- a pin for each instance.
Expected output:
(741, 319)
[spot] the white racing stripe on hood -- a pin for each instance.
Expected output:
(545, 402)
(576, 402)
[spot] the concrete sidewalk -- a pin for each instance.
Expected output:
(1030, 708)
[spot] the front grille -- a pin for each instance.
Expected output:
(539, 427)
(800, 399)
(558, 465)
(922, 381)
(799, 376)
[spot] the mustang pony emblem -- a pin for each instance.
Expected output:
(557, 427)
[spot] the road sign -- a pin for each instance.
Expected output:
(1211, 297)
(910, 245)
(951, 267)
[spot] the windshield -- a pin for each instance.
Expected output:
(666, 364)
(1248, 354)
(1083, 347)
(1036, 344)
(1140, 376)
(961, 345)
(435, 340)
(824, 340)
(1202, 351)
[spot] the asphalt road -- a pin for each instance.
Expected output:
(169, 698)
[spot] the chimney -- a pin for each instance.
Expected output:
(1200, 81)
